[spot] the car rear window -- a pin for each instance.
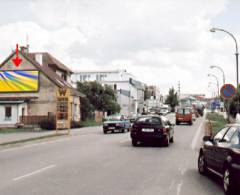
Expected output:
(149, 119)
(183, 111)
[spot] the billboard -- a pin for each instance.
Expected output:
(19, 81)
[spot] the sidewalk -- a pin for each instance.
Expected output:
(21, 136)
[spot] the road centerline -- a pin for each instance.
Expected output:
(34, 172)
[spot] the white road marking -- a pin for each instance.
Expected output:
(179, 187)
(33, 173)
(196, 137)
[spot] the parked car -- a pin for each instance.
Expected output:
(184, 115)
(220, 154)
(116, 123)
(152, 128)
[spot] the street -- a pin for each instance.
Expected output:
(90, 162)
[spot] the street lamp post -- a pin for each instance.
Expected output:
(219, 68)
(212, 90)
(217, 82)
(236, 52)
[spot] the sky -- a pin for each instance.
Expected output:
(161, 42)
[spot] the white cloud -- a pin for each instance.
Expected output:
(159, 41)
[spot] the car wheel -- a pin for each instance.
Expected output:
(201, 164)
(190, 122)
(123, 130)
(228, 184)
(177, 122)
(166, 142)
(104, 131)
(172, 140)
(134, 142)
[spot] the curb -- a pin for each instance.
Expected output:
(30, 139)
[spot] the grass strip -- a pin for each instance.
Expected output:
(217, 121)
(90, 123)
(30, 139)
(15, 130)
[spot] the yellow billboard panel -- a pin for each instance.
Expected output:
(19, 81)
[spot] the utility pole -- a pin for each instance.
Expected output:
(179, 89)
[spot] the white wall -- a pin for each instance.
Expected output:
(121, 79)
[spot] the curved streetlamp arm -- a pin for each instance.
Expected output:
(235, 40)
(218, 67)
(217, 81)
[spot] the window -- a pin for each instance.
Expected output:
(236, 138)
(180, 111)
(64, 77)
(230, 133)
(187, 111)
(8, 113)
(220, 134)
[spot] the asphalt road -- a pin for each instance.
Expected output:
(89, 163)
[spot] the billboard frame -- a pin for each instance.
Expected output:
(38, 82)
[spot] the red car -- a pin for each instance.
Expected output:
(184, 115)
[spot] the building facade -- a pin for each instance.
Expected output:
(28, 92)
(129, 91)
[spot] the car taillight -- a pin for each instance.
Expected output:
(162, 130)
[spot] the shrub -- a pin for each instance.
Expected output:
(48, 124)
(75, 124)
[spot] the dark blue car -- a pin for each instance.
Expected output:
(220, 154)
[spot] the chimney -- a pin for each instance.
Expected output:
(39, 58)
(24, 49)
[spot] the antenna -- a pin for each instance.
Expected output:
(27, 40)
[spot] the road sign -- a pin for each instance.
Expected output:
(63, 115)
(228, 91)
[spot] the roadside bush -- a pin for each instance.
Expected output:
(48, 124)
(75, 124)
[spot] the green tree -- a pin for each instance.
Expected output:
(98, 98)
(233, 105)
(172, 98)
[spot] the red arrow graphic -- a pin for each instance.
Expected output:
(17, 61)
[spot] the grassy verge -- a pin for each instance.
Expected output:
(217, 121)
(89, 123)
(30, 139)
(15, 130)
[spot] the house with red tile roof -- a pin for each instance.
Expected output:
(29, 92)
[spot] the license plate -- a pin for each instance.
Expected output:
(111, 127)
(147, 130)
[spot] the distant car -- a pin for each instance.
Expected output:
(220, 154)
(152, 128)
(115, 123)
(163, 111)
(154, 110)
(133, 117)
(184, 115)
